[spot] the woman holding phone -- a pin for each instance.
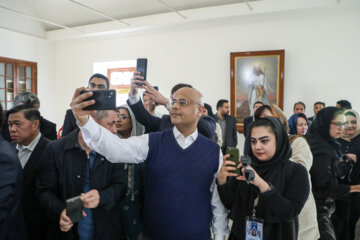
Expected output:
(273, 200)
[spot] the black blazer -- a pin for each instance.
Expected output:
(47, 129)
(35, 218)
(12, 224)
(62, 176)
(247, 122)
(206, 125)
(230, 131)
(69, 123)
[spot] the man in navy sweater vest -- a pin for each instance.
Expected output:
(181, 202)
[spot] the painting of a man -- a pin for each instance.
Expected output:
(257, 77)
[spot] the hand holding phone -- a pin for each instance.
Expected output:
(74, 207)
(104, 100)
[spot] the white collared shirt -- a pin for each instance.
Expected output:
(24, 152)
(135, 150)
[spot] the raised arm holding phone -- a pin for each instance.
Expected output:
(180, 201)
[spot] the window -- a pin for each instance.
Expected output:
(16, 76)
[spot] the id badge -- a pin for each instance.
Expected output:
(254, 228)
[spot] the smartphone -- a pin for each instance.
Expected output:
(234, 156)
(104, 100)
(74, 209)
(141, 66)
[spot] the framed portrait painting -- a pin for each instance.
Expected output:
(255, 76)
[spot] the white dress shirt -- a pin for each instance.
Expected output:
(24, 152)
(135, 150)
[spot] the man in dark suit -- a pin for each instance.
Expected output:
(83, 172)
(96, 82)
(249, 120)
(11, 179)
(317, 107)
(227, 124)
(47, 128)
(24, 130)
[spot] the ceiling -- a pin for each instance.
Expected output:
(72, 13)
(64, 19)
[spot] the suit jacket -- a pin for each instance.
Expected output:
(230, 131)
(311, 118)
(47, 129)
(34, 214)
(247, 122)
(12, 226)
(62, 176)
(206, 125)
(69, 123)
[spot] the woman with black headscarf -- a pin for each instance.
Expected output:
(327, 168)
(278, 191)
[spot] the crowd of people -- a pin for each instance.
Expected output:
(140, 175)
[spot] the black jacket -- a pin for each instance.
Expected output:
(247, 122)
(47, 129)
(69, 123)
(35, 218)
(62, 176)
(12, 225)
(230, 131)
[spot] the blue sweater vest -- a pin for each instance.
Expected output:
(177, 202)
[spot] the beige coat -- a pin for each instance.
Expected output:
(308, 226)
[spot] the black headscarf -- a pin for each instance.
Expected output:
(319, 137)
(271, 171)
(282, 153)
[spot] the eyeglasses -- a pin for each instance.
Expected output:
(182, 102)
(99, 86)
(123, 116)
(352, 122)
(339, 124)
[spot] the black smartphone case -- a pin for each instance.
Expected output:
(141, 66)
(104, 100)
(74, 209)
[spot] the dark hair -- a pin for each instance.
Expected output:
(322, 103)
(344, 104)
(262, 122)
(300, 103)
(350, 114)
(221, 102)
(209, 109)
(27, 98)
(30, 112)
(99, 75)
(2, 117)
(178, 86)
(257, 103)
(301, 115)
(260, 110)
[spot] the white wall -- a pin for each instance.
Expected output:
(321, 59)
(23, 47)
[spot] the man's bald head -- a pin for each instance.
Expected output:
(190, 94)
(187, 109)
